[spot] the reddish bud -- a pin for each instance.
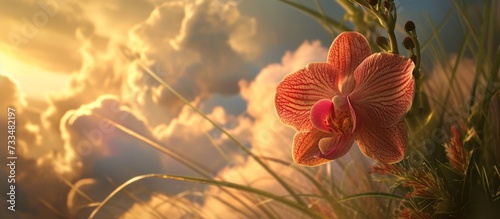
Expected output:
(408, 43)
(372, 2)
(409, 26)
(387, 5)
(383, 43)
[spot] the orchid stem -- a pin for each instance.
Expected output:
(394, 41)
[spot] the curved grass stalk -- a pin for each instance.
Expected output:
(138, 200)
(493, 84)
(438, 29)
(52, 208)
(323, 17)
(94, 205)
(480, 56)
(177, 203)
(78, 191)
(318, 16)
(370, 195)
(252, 190)
(462, 11)
(231, 137)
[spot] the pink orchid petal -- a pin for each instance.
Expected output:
(305, 147)
(299, 91)
(335, 147)
(384, 89)
(320, 112)
(347, 51)
(385, 145)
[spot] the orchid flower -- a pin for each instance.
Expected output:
(354, 96)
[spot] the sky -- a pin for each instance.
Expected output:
(62, 62)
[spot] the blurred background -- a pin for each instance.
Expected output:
(62, 62)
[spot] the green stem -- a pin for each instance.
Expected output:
(388, 23)
(394, 41)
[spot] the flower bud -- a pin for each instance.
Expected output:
(387, 5)
(409, 26)
(408, 43)
(383, 43)
(372, 2)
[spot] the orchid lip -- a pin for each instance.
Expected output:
(333, 116)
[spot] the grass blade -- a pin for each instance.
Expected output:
(263, 193)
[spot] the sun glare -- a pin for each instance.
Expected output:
(36, 82)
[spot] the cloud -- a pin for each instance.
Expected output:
(190, 47)
(98, 148)
(13, 99)
(104, 16)
(161, 205)
(36, 181)
(102, 72)
(35, 27)
(191, 135)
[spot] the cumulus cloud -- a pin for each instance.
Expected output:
(104, 15)
(193, 136)
(102, 72)
(13, 98)
(190, 47)
(33, 174)
(101, 147)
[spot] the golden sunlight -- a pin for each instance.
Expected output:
(34, 81)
